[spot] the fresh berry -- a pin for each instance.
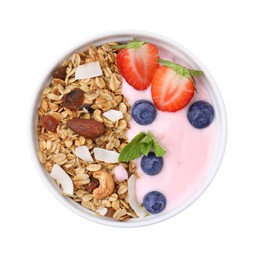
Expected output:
(118, 58)
(137, 63)
(200, 114)
(151, 164)
(144, 112)
(154, 202)
(173, 86)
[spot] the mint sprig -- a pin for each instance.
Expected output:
(140, 145)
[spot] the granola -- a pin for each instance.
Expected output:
(58, 146)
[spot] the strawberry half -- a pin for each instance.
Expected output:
(137, 62)
(173, 86)
(118, 58)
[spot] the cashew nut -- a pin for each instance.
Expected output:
(106, 185)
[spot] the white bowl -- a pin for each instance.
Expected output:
(220, 117)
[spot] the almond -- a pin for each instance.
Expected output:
(88, 128)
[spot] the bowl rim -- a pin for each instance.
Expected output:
(77, 208)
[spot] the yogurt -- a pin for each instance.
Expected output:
(189, 150)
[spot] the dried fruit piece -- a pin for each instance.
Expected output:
(49, 123)
(87, 108)
(138, 209)
(59, 73)
(105, 155)
(120, 173)
(88, 70)
(110, 212)
(92, 185)
(62, 178)
(113, 115)
(102, 211)
(74, 99)
(83, 153)
(88, 128)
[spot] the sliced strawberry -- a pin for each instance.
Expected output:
(118, 58)
(173, 86)
(137, 63)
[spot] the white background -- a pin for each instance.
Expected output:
(224, 222)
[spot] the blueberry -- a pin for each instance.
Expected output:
(200, 114)
(154, 202)
(151, 164)
(144, 112)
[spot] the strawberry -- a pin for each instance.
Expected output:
(118, 58)
(137, 62)
(173, 86)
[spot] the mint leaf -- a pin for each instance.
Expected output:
(146, 144)
(158, 150)
(140, 145)
(147, 139)
(132, 150)
(145, 148)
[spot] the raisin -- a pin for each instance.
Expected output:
(59, 73)
(49, 123)
(110, 212)
(94, 183)
(87, 107)
(74, 99)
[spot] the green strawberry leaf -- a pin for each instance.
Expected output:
(196, 73)
(181, 70)
(130, 45)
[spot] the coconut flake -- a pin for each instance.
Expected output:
(120, 173)
(106, 155)
(83, 153)
(102, 211)
(138, 209)
(113, 115)
(88, 70)
(62, 178)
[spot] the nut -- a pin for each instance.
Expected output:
(88, 128)
(106, 185)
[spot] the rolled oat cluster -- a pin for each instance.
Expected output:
(69, 107)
